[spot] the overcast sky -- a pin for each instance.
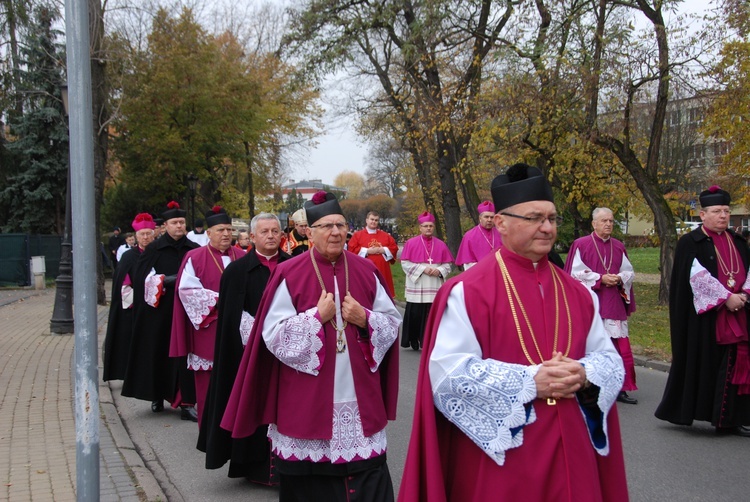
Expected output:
(341, 150)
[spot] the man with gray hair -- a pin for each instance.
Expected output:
(601, 263)
(241, 289)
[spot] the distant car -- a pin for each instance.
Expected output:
(684, 227)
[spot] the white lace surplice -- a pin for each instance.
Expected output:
(491, 401)
(296, 339)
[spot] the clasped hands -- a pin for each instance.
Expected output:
(610, 280)
(434, 272)
(736, 301)
(376, 250)
(351, 311)
(559, 377)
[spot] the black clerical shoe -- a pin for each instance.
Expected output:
(189, 413)
(734, 431)
(157, 406)
(623, 397)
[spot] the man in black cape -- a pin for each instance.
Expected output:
(151, 374)
(710, 375)
(120, 324)
(242, 286)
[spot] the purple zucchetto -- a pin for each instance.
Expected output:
(426, 217)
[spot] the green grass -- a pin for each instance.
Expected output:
(649, 325)
(644, 260)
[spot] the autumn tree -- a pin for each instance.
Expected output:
(352, 181)
(202, 104)
(427, 59)
(386, 163)
(726, 119)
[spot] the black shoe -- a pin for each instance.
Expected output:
(157, 406)
(734, 431)
(623, 397)
(188, 413)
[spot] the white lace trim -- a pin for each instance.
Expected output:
(126, 293)
(708, 292)
(153, 288)
(627, 277)
(616, 328)
(486, 399)
(197, 363)
(606, 371)
(198, 304)
(246, 324)
(297, 343)
(384, 333)
(587, 277)
(347, 442)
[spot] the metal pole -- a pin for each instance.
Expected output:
(62, 313)
(84, 250)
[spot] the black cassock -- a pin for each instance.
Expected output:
(699, 385)
(151, 374)
(120, 323)
(242, 286)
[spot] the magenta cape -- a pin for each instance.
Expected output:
(556, 460)
(363, 239)
(267, 391)
(477, 243)
(420, 250)
(185, 338)
(611, 304)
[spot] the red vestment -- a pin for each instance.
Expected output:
(364, 239)
(555, 459)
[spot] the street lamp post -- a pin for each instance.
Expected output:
(62, 314)
(192, 185)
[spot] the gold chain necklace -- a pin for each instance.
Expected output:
(340, 342)
(221, 269)
(601, 259)
(728, 271)
(510, 286)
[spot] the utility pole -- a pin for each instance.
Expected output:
(86, 394)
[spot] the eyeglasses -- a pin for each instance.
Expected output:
(538, 220)
(327, 227)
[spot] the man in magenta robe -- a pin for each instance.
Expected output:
(480, 240)
(196, 302)
(601, 263)
(517, 385)
(377, 246)
(320, 368)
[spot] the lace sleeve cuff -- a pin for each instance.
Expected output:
(246, 325)
(383, 331)
(154, 288)
(126, 292)
(299, 342)
(490, 402)
(708, 292)
(605, 370)
(199, 304)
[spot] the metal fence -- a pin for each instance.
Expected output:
(16, 251)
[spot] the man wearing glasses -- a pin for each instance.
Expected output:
(321, 370)
(710, 375)
(518, 379)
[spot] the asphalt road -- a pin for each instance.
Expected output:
(664, 462)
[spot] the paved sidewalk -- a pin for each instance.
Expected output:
(37, 429)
